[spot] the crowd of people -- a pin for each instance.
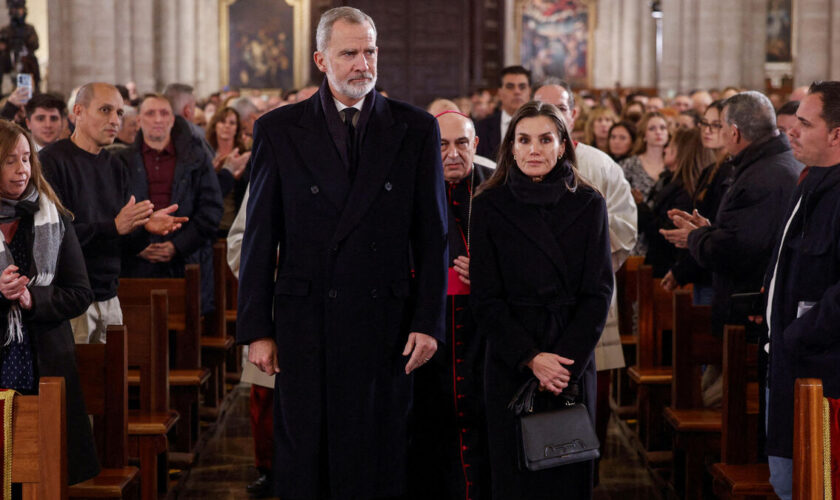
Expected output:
(404, 275)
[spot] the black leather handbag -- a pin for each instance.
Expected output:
(553, 437)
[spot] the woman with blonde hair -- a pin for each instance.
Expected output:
(597, 129)
(43, 284)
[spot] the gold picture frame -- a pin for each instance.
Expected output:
(592, 12)
(301, 54)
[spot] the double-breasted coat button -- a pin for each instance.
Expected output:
(334, 249)
(388, 186)
(333, 293)
(373, 246)
(315, 189)
(374, 293)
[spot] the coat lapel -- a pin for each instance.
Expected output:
(319, 154)
(383, 139)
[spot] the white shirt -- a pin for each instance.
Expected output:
(505, 121)
(341, 107)
(772, 288)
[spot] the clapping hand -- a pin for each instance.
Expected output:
(12, 283)
(685, 223)
(162, 222)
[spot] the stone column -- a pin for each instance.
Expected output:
(671, 69)
(185, 57)
(603, 47)
(207, 43)
(813, 24)
(753, 36)
(706, 43)
(629, 44)
(689, 49)
(166, 42)
(834, 42)
(143, 67)
(122, 42)
(647, 46)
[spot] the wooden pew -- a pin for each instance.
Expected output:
(234, 358)
(696, 429)
(808, 458)
(39, 442)
(187, 377)
(650, 374)
(739, 475)
(148, 349)
(623, 394)
(215, 342)
(103, 378)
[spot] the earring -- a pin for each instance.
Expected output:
(514, 157)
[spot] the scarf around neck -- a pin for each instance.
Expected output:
(48, 231)
(545, 193)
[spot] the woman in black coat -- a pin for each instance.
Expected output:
(43, 284)
(541, 286)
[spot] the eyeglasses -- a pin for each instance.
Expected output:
(716, 125)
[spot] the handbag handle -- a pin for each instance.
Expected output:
(522, 402)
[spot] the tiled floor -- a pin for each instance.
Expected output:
(226, 463)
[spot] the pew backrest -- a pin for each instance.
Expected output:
(693, 346)
(148, 349)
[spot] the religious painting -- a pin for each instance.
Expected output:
(779, 31)
(555, 38)
(264, 43)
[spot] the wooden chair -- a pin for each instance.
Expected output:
(623, 395)
(215, 342)
(39, 439)
(808, 440)
(187, 377)
(696, 429)
(739, 475)
(148, 349)
(103, 378)
(650, 374)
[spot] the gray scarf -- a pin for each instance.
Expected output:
(48, 231)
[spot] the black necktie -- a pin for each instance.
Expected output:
(349, 114)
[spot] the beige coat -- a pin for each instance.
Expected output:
(603, 173)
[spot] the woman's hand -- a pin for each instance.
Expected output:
(549, 370)
(25, 300)
(12, 284)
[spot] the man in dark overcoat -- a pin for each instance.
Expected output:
(803, 279)
(449, 442)
(344, 259)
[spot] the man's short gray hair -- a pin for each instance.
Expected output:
(244, 107)
(179, 95)
(752, 113)
(350, 15)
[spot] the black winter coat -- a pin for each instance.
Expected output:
(195, 188)
(737, 247)
(343, 300)
(804, 334)
(490, 132)
(668, 194)
(541, 282)
(48, 322)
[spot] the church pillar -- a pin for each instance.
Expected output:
(647, 46)
(143, 45)
(671, 68)
(628, 44)
(689, 49)
(207, 47)
(122, 42)
(166, 42)
(812, 61)
(185, 43)
(834, 42)
(753, 38)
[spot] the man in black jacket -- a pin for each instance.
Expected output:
(803, 279)
(737, 247)
(169, 165)
(94, 186)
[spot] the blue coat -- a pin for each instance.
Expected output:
(805, 343)
(344, 297)
(195, 188)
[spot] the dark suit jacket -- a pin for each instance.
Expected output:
(489, 135)
(344, 298)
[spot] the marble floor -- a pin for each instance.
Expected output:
(225, 466)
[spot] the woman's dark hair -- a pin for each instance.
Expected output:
(631, 131)
(505, 161)
(718, 105)
(692, 157)
(219, 116)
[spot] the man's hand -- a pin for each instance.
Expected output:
(19, 97)
(12, 284)
(162, 222)
(421, 347)
(133, 215)
(158, 252)
(669, 282)
(263, 353)
(549, 370)
(462, 267)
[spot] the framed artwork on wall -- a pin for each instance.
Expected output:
(264, 43)
(780, 46)
(554, 37)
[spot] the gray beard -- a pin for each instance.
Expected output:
(351, 91)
